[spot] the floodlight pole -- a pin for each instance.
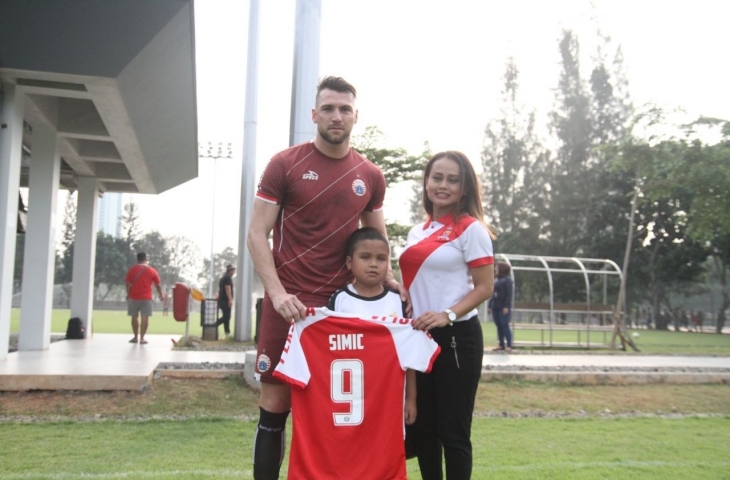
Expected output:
(214, 152)
(212, 234)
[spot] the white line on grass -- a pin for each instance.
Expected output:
(135, 474)
(535, 467)
(580, 465)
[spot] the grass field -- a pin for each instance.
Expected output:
(188, 429)
(632, 448)
(649, 341)
(115, 321)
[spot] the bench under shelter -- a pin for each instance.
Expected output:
(570, 301)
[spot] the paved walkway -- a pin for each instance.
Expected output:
(104, 362)
(608, 361)
(109, 362)
(615, 369)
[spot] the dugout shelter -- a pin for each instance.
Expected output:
(563, 301)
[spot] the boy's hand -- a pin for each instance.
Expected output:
(409, 412)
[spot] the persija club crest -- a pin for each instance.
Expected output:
(263, 363)
(358, 186)
(446, 234)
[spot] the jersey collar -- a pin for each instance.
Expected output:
(445, 220)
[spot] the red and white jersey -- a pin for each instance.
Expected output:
(347, 404)
(437, 259)
(321, 199)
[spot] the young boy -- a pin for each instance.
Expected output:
(368, 257)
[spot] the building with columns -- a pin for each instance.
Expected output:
(98, 97)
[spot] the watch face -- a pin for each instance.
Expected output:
(452, 315)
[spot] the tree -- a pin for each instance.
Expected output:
(415, 204)
(588, 201)
(720, 255)
(397, 166)
(158, 254)
(65, 260)
(702, 171)
(184, 259)
(174, 258)
(513, 162)
(225, 257)
(669, 259)
(570, 188)
(130, 231)
(18, 268)
(611, 111)
(111, 265)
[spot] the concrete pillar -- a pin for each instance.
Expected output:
(12, 109)
(82, 298)
(40, 242)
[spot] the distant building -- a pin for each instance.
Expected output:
(110, 214)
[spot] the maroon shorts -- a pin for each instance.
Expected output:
(273, 331)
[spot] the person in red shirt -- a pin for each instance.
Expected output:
(140, 279)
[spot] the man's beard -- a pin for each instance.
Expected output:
(328, 138)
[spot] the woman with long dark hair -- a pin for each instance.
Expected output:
(447, 267)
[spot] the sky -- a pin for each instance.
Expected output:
(426, 70)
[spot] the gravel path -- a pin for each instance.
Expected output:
(199, 366)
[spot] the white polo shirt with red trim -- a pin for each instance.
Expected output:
(437, 259)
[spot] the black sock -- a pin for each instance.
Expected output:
(269, 445)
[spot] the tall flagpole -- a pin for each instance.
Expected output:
(244, 284)
(306, 70)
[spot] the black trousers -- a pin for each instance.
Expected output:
(446, 402)
(225, 318)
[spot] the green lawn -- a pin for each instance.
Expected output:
(527, 448)
(115, 321)
(204, 429)
(649, 341)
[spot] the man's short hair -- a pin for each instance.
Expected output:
(141, 256)
(338, 84)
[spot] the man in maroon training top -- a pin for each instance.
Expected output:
(312, 196)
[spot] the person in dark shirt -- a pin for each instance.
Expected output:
(225, 298)
(500, 305)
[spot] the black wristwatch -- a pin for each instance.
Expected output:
(451, 315)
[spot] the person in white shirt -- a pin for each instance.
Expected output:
(448, 269)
